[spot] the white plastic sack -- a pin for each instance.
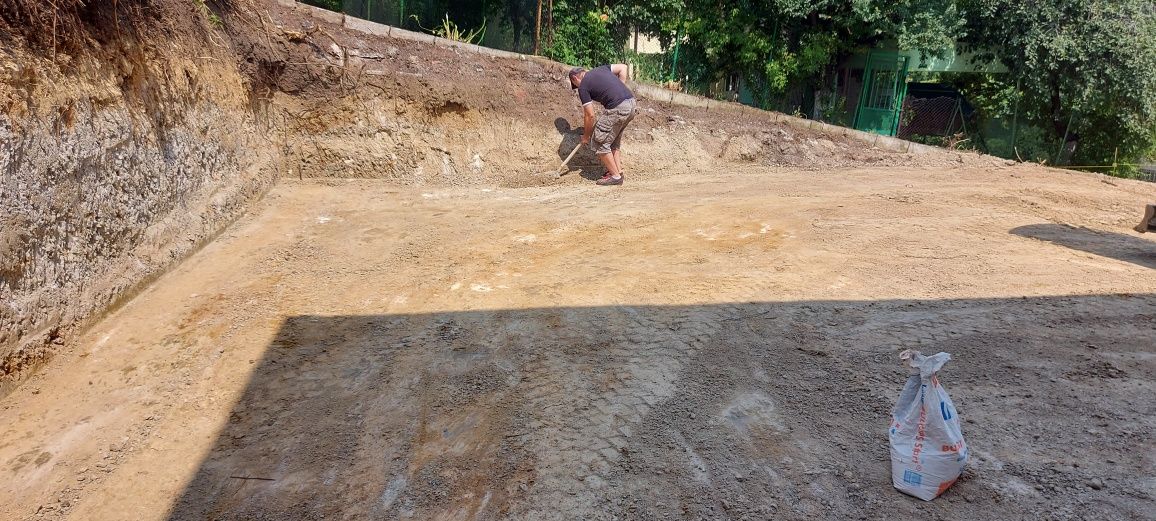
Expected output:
(927, 448)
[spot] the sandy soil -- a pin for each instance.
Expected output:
(718, 346)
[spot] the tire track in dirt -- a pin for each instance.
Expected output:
(583, 427)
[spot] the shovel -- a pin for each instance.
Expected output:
(561, 168)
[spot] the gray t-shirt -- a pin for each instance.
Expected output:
(601, 85)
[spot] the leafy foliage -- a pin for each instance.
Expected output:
(209, 15)
(450, 30)
(785, 43)
(1090, 62)
(332, 5)
(583, 36)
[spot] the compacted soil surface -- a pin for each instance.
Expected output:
(695, 344)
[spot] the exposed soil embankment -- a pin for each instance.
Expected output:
(128, 136)
(417, 113)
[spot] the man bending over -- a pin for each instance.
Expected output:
(606, 85)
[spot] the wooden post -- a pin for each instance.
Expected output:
(1064, 141)
(538, 29)
(1016, 116)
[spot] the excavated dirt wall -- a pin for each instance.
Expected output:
(127, 139)
(416, 109)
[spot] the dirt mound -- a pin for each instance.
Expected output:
(416, 113)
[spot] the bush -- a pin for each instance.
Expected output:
(582, 38)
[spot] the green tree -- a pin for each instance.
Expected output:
(583, 35)
(1090, 63)
(791, 42)
(332, 5)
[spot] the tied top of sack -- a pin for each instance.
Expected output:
(924, 366)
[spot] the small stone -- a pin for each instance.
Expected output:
(690, 415)
(1096, 484)
(739, 477)
(593, 481)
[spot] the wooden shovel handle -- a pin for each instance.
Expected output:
(572, 152)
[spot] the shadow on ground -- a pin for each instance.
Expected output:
(585, 163)
(730, 411)
(1127, 248)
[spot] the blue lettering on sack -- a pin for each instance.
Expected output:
(912, 477)
(945, 411)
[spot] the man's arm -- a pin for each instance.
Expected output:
(622, 71)
(587, 122)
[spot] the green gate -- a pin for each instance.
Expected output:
(884, 86)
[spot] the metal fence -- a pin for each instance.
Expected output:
(507, 24)
(940, 116)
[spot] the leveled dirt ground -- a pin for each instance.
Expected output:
(687, 346)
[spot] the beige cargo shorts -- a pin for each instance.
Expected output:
(609, 126)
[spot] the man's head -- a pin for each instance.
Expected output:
(576, 75)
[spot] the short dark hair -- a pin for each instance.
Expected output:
(573, 73)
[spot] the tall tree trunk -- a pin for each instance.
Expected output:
(550, 23)
(538, 29)
(1055, 105)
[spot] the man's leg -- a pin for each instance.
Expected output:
(601, 143)
(619, 129)
(611, 164)
(1149, 220)
(614, 175)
